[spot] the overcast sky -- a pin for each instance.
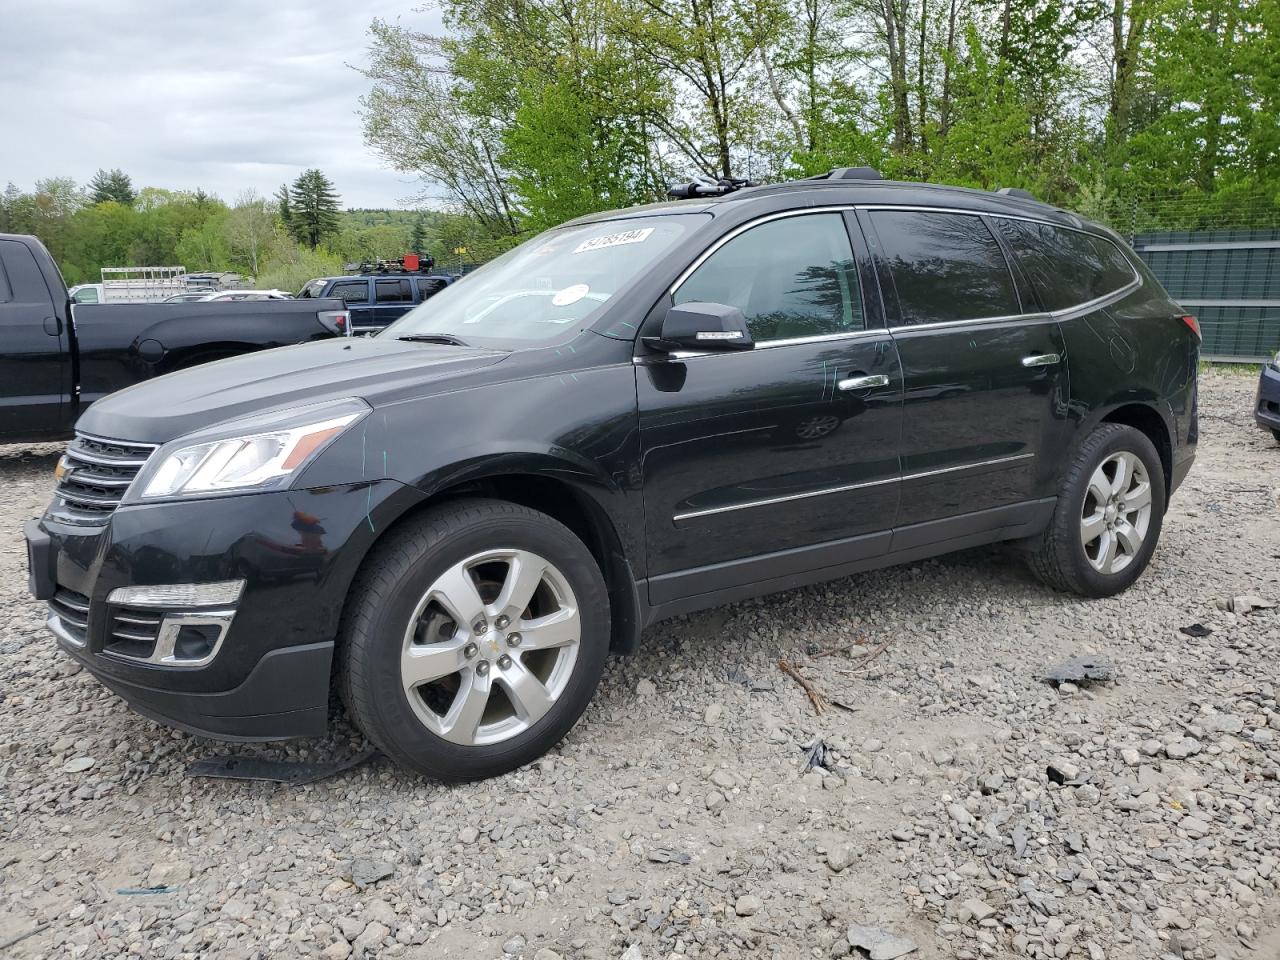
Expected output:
(224, 95)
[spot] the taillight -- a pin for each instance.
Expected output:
(1194, 324)
(335, 321)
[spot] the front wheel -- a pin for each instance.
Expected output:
(1108, 517)
(1276, 434)
(473, 639)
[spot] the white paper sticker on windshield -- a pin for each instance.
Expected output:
(570, 295)
(613, 240)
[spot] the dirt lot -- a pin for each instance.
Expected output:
(678, 819)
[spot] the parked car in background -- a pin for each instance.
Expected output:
(225, 296)
(193, 297)
(86, 293)
(377, 300)
(1267, 409)
(641, 413)
(58, 357)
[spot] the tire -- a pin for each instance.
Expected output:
(1276, 434)
(418, 575)
(1070, 555)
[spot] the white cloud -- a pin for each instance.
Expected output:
(226, 96)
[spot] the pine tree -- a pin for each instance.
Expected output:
(314, 207)
(285, 208)
(418, 239)
(112, 185)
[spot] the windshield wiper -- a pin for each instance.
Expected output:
(448, 338)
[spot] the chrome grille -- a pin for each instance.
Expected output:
(73, 610)
(133, 632)
(93, 476)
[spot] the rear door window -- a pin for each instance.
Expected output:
(352, 291)
(945, 267)
(1066, 267)
(393, 291)
(792, 277)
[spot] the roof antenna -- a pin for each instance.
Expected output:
(704, 186)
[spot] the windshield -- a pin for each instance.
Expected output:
(547, 286)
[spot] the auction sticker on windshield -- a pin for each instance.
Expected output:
(614, 240)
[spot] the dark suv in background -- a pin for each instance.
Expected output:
(378, 300)
(638, 414)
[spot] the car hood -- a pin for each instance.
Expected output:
(376, 369)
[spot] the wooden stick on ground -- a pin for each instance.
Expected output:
(815, 695)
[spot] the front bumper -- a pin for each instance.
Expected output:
(1266, 410)
(266, 675)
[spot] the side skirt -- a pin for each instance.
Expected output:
(685, 591)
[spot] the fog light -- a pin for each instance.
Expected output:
(179, 595)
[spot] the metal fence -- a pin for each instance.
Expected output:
(1230, 279)
(1218, 254)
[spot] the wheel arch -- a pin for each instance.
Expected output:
(1157, 428)
(181, 358)
(565, 502)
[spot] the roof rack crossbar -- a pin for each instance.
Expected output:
(1016, 192)
(703, 186)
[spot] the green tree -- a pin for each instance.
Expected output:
(418, 238)
(284, 208)
(111, 185)
(249, 230)
(313, 207)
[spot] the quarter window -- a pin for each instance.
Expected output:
(945, 267)
(1066, 267)
(429, 288)
(792, 277)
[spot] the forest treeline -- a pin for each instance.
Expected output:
(528, 112)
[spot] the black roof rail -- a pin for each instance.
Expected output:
(1016, 192)
(703, 186)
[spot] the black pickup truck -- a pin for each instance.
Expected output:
(57, 358)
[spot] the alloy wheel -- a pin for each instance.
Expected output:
(1116, 513)
(490, 647)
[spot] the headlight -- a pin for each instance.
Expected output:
(256, 453)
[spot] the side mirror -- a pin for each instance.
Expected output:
(703, 326)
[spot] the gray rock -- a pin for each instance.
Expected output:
(841, 856)
(645, 688)
(713, 713)
(236, 909)
(372, 938)
(514, 946)
(979, 910)
(365, 873)
(78, 765)
(468, 835)
(169, 874)
(879, 944)
(747, 905)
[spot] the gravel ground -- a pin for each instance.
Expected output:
(960, 802)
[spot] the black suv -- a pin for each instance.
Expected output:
(635, 415)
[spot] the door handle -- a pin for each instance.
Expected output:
(861, 383)
(1041, 360)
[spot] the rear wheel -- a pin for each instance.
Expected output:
(1108, 517)
(473, 640)
(1276, 434)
